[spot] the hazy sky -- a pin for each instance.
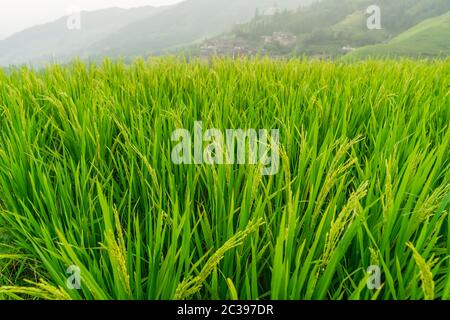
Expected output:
(16, 15)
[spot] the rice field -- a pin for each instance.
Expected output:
(87, 181)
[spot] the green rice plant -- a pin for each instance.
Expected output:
(87, 180)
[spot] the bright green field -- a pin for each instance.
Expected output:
(86, 179)
(431, 38)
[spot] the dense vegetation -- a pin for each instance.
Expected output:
(325, 27)
(430, 38)
(86, 179)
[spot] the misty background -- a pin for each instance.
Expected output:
(16, 15)
(42, 31)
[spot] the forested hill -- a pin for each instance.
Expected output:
(427, 39)
(331, 27)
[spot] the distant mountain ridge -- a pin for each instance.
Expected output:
(320, 28)
(333, 28)
(55, 40)
(180, 26)
(132, 32)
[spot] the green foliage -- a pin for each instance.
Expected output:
(86, 179)
(430, 38)
(325, 27)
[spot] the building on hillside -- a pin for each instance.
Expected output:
(348, 49)
(283, 39)
(225, 47)
(272, 11)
